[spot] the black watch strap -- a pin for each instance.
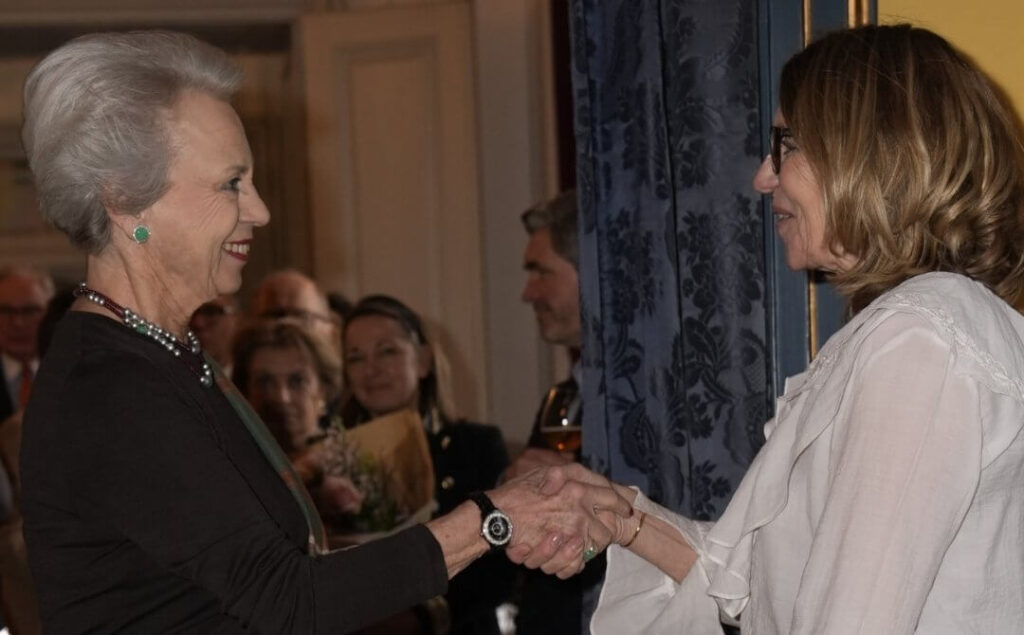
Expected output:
(495, 526)
(483, 501)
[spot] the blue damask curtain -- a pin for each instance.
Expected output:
(675, 363)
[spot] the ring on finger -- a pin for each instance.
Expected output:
(588, 554)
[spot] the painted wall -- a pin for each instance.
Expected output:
(990, 31)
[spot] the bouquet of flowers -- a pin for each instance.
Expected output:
(377, 478)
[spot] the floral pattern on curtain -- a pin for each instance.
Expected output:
(675, 359)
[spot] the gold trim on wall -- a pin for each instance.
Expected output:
(812, 315)
(858, 12)
(812, 290)
(807, 22)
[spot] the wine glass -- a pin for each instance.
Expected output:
(559, 419)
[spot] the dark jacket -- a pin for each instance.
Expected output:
(467, 457)
(548, 605)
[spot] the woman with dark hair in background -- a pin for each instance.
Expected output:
(391, 365)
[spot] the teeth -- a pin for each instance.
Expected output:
(242, 249)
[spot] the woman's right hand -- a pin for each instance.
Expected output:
(648, 536)
(622, 528)
(555, 517)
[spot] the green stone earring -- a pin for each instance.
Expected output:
(140, 234)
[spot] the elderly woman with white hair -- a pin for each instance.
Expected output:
(155, 500)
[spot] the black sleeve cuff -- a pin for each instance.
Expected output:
(372, 581)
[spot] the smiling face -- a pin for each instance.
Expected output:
(383, 365)
(286, 392)
(202, 226)
(798, 206)
(553, 290)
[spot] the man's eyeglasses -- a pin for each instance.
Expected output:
(777, 139)
(27, 311)
(213, 310)
(306, 316)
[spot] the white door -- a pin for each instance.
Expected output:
(392, 170)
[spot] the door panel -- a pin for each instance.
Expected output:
(392, 169)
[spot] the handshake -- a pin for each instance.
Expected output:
(563, 515)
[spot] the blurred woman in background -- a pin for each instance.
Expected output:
(390, 365)
(289, 375)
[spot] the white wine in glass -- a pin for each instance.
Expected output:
(559, 425)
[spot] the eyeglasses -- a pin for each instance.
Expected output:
(213, 310)
(28, 311)
(777, 139)
(300, 314)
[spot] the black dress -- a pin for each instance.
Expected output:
(149, 508)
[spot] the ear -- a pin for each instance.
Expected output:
(123, 224)
(424, 360)
(120, 221)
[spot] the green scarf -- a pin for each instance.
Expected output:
(276, 457)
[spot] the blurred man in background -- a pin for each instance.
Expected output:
(24, 293)
(548, 605)
(289, 293)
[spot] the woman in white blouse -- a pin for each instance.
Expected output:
(889, 497)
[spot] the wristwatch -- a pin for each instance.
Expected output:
(496, 527)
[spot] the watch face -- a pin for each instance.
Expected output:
(497, 528)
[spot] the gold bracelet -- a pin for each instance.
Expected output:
(636, 532)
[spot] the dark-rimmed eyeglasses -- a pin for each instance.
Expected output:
(213, 310)
(27, 312)
(777, 139)
(298, 314)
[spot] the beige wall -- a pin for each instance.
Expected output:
(991, 31)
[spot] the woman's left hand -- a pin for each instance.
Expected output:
(605, 526)
(554, 520)
(562, 526)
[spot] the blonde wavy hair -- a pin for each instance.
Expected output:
(918, 155)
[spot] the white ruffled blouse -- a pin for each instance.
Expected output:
(889, 497)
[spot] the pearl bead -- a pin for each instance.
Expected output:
(143, 326)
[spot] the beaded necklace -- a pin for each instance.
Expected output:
(193, 360)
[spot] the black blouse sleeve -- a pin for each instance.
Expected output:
(151, 463)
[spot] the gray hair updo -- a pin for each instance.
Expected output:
(95, 129)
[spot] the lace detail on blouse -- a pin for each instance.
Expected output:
(918, 303)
